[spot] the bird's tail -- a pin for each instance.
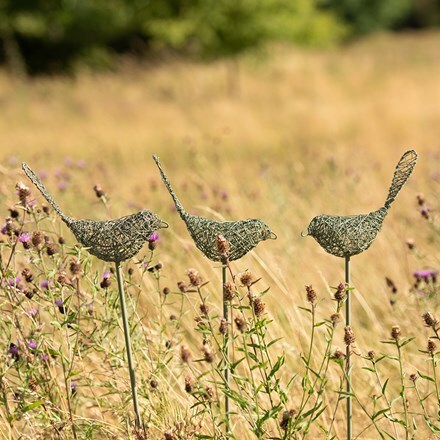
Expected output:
(179, 207)
(401, 174)
(39, 184)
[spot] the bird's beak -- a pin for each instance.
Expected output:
(163, 225)
(305, 233)
(272, 235)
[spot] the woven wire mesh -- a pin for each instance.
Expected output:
(345, 236)
(109, 240)
(242, 235)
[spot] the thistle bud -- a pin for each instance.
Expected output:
(395, 332)
(349, 337)
(222, 246)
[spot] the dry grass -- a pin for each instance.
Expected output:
(306, 133)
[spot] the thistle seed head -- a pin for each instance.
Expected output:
(349, 337)
(395, 332)
(311, 295)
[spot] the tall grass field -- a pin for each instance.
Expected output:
(283, 137)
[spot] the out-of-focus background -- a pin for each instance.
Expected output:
(276, 109)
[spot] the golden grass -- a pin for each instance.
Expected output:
(306, 133)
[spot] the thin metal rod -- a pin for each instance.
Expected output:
(348, 322)
(225, 343)
(128, 344)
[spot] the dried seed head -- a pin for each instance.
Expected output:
(62, 278)
(45, 209)
(286, 418)
(154, 384)
(411, 244)
(431, 345)
(75, 267)
(166, 291)
(222, 246)
(420, 199)
(195, 279)
(98, 191)
(335, 319)
(61, 240)
(185, 354)
(168, 435)
(341, 292)
(413, 377)
(51, 249)
(181, 286)
(429, 319)
(228, 291)
(37, 239)
(371, 354)
(240, 323)
(338, 354)
(208, 354)
(311, 295)
(258, 306)
(223, 328)
(246, 279)
(209, 392)
(391, 285)
(395, 332)
(26, 273)
(349, 337)
(23, 193)
(14, 213)
(204, 309)
(189, 384)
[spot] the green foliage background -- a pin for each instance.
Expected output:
(57, 35)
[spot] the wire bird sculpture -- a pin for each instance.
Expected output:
(345, 236)
(242, 235)
(109, 240)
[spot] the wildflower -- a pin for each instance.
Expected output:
(23, 193)
(60, 305)
(246, 279)
(228, 292)
(13, 351)
(181, 286)
(33, 312)
(75, 267)
(51, 249)
(341, 292)
(258, 306)
(8, 227)
(73, 388)
(159, 265)
(371, 354)
(185, 354)
(209, 392)
(223, 327)
(154, 384)
(413, 377)
(194, 278)
(208, 354)
(311, 295)
(37, 239)
(25, 240)
(286, 418)
(240, 323)
(45, 209)
(204, 309)
(106, 281)
(223, 246)
(32, 344)
(335, 319)
(424, 212)
(63, 279)
(425, 275)
(349, 337)
(189, 384)
(338, 354)
(152, 241)
(14, 282)
(45, 284)
(98, 191)
(410, 242)
(61, 240)
(395, 332)
(431, 346)
(429, 319)
(166, 291)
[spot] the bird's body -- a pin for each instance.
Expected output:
(109, 240)
(345, 236)
(241, 235)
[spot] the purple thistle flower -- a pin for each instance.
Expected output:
(425, 212)
(32, 344)
(153, 237)
(45, 284)
(33, 311)
(44, 357)
(13, 350)
(32, 203)
(14, 282)
(107, 274)
(24, 237)
(4, 229)
(59, 302)
(425, 274)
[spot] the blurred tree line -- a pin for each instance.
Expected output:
(58, 35)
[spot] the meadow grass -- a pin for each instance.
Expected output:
(304, 133)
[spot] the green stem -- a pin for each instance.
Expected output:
(127, 343)
(435, 379)
(225, 346)
(403, 394)
(348, 364)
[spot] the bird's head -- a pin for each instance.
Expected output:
(152, 220)
(313, 227)
(264, 232)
